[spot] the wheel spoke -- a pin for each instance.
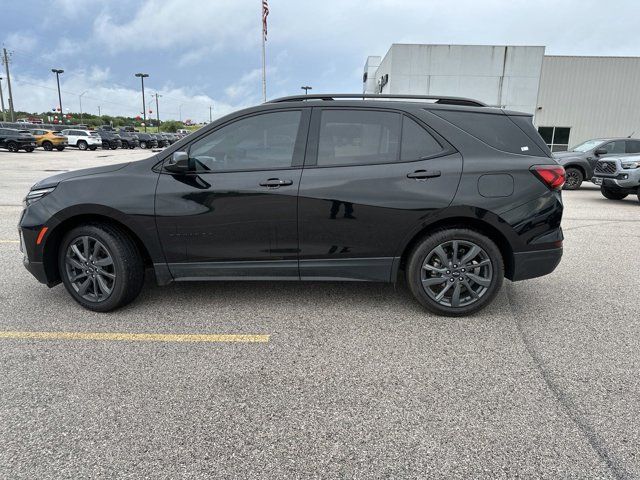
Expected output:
(103, 285)
(83, 287)
(455, 252)
(470, 255)
(455, 298)
(431, 268)
(485, 282)
(104, 273)
(428, 282)
(74, 263)
(78, 277)
(85, 246)
(103, 262)
(442, 255)
(97, 246)
(442, 292)
(95, 287)
(469, 289)
(76, 250)
(479, 264)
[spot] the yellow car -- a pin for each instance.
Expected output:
(48, 139)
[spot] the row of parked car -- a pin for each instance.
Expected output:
(611, 163)
(105, 137)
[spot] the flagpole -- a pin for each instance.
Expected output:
(264, 62)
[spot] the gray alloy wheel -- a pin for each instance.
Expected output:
(82, 145)
(573, 179)
(90, 268)
(456, 273)
(143, 144)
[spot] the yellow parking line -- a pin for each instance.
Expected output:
(9, 241)
(135, 337)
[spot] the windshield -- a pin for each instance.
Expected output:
(586, 146)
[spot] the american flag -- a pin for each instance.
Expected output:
(265, 14)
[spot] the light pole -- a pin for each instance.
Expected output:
(144, 108)
(58, 71)
(210, 116)
(80, 98)
(4, 114)
(158, 111)
(306, 89)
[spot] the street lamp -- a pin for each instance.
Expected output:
(58, 71)
(144, 110)
(80, 97)
(306, 89)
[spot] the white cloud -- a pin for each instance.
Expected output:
(25, 42)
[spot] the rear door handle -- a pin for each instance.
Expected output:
(424, 174)
(275, 183)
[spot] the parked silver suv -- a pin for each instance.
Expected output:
(618, 177)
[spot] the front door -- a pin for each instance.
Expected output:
(234, 214)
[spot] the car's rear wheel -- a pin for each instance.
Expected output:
(82, 145)
(612, 194)
(100, 267)
(13, 147)
(573, 178)
(48, 146)
(455, 272)
(143, 144)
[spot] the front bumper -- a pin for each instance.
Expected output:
(534, 264)
(622, 180)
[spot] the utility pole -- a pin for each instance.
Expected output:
(99, 114)
(5, 60)
(4, 114)
(157, 95)
(58, 71)
(80, 98)
(144, 105)
(210, 115)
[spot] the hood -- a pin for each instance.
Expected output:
(61, 177)
(567, 154)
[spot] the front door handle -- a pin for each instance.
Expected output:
(424, 174)
(275, 183)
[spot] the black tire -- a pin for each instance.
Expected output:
(93, 148)
(132, 146)
(13, 147)
(126, 266)
(82, 145)
(573, 178)
(490, 271)
(612, 194)
(143, 144)
(60, 148)
(113, 147)
(48, 146)
(29, 149)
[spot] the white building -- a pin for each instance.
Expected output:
(572, 98)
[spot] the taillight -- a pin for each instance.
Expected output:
(552, 176)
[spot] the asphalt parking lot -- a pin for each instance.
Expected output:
(349, 380)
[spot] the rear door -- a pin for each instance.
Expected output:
(370, 178)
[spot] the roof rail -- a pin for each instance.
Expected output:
(444, 100)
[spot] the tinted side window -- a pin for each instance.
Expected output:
(633, 146)
(351, 137)
(417, 143)
(497, 131)
(614, 147)
(263, 141)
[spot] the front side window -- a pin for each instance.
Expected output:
(615, 147)
(261, 142)
(356, 137)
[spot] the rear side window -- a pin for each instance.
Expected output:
(633, 146)
(617, 146)
(355, 137)
(417, 143)
(497, 131)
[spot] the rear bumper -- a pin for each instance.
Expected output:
(534, 264)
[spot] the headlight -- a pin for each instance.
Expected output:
(35, 195)
(631, 165)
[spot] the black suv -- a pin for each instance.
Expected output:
(146, 140)
(129, 139)
(15, 140)
(321, 187)
(110, 139)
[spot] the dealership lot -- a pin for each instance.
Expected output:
(350, 380)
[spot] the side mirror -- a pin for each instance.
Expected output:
(178, 163)
(600, 151)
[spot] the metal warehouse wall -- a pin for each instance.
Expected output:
(595, 96)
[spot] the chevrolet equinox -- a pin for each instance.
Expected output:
(452, 193)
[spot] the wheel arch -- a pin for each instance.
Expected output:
(54, 239)
(483, 227)
(577, 166)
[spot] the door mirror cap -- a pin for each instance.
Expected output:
(600, 151)
(178, 163)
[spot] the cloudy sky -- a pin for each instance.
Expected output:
(207, 52)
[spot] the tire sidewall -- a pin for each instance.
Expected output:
(422, 249)
(580, 176)
(115, 250)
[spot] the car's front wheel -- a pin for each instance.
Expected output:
(48, 146)
(13, 147)
(455, 272)
(612, 194)
(143, 144)
(573, 178)
(82, 145)
(100, 267)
